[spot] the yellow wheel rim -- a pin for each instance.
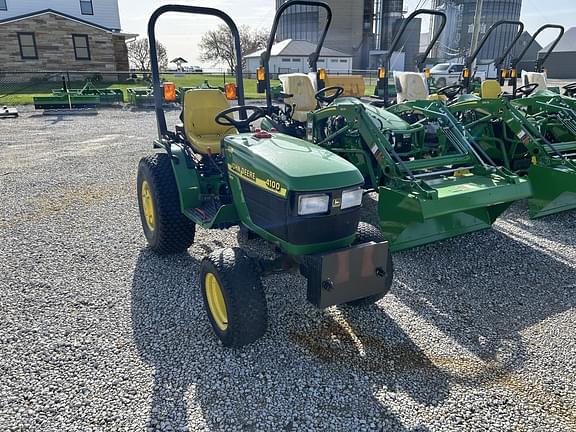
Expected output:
(148, 205)
(216, 302)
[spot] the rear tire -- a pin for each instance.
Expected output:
(233, 297)
(166, 229)
(369, 233)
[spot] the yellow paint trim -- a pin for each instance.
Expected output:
(216, 303)
(148, 205)
(270, 185)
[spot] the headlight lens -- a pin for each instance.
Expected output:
(351, 198)
(313, 204)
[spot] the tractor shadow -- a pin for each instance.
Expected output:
(483, 289)
(193, 372)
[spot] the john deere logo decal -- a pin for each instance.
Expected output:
(270, 185)
(336, 202)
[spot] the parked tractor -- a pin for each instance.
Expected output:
(432, 181)
(215, 171)
(514, 140)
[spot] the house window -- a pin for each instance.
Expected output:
(81, 47)
(86, 7)
(343, 61)
(333, 60)
(3, 5)
(27, 42)
(285, 59)
(295, 60)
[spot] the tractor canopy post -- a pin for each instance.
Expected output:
(157, 86)
(499, 60)
(312, 60)
(539, 61)
(398, 39)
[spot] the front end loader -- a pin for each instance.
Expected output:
(514, 140)
(215, 171)
(432, 183)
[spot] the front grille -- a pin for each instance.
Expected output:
(266, 210)
(280, 217)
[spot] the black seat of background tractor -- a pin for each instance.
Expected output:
(201, 106)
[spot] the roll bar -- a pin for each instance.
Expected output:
(312, 60)
(397, 40)
(539, 61)
(196, 10)
(499, 60)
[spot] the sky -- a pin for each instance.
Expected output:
(181, 34)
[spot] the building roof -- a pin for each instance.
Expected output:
(566, 44)
(63, 15)
(297, 48)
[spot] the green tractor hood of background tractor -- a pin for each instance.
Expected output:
(294, 164)
(385, 120)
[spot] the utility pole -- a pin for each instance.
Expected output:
(477, 26)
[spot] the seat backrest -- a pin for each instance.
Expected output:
(200, 109)
(300, 86)
(353, 85)
(490, 89)
(535, 78)
(411, 86)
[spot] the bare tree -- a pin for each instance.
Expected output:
(217, 46)
(139, 54)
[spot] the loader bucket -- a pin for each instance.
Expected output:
(553, 190)
(462, 205)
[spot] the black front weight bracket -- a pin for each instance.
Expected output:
(347, 274)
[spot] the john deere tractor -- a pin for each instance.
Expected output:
(432, 181)
(511, 138)
(215, 172)
(552, 113)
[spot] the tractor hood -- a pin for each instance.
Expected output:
(297, 164)
(383, 119)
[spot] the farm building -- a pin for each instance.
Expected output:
(290, 56)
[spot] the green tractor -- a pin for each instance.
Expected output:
(552, 113)
(513, 139)
(213, 171)
(432, 181)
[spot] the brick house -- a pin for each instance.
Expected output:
(82, 35)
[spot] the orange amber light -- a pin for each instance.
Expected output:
(169, 92)
(230, 90)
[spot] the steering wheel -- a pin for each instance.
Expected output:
(242, 125)
(570, 89)
(525, 90)
(451, 91)
(321, 96)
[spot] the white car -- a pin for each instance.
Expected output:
(447, 74)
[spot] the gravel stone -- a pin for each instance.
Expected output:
(99, 334)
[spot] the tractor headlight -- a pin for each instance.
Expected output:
(313, 204)
(351, 198)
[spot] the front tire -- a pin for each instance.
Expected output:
(233, 297)
(369, 233)
(166, 229)
(441, 82)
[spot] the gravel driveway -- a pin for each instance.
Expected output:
(99, 334)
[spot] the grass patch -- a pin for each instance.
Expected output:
(24, 93)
